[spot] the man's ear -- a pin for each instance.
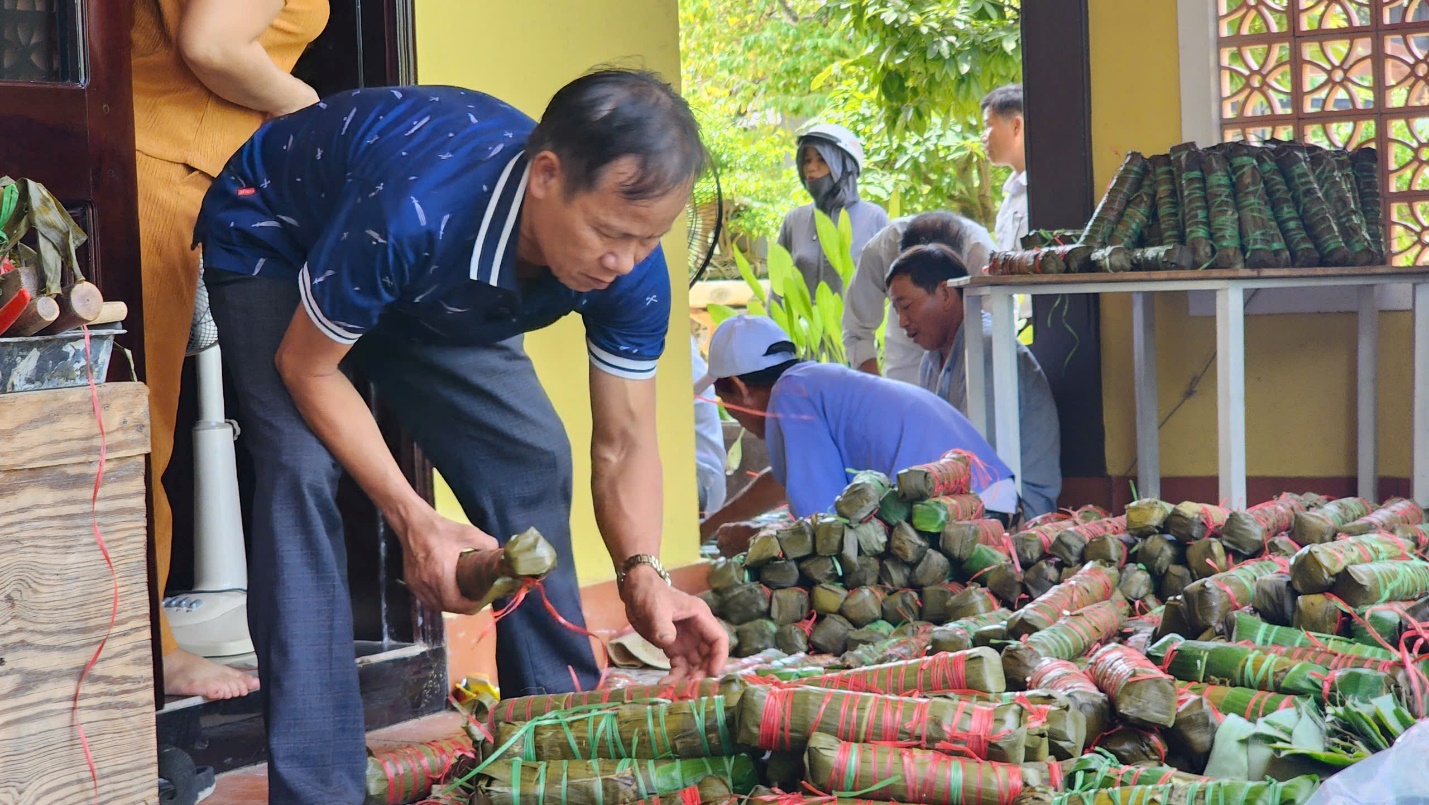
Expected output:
(949, 297)
(740, 389)
(1018, 124)
(546, 175)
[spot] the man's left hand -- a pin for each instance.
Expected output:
(677, 623)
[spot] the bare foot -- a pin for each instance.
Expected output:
(188, 674)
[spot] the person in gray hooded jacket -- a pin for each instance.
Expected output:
(830, 160)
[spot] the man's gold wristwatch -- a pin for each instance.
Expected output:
(637, 560)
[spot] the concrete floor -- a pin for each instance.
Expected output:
(250, 786)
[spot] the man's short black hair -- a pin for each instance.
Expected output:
(1005, 102)
(928, 266)
(939, 226)
(612, 113)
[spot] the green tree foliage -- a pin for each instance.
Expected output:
(905, 75)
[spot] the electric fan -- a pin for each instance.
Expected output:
(212, 619)
(705, 214)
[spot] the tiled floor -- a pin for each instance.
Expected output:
(250, 786)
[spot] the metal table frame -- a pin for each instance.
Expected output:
(996, 293)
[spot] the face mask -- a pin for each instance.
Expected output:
(821, 187)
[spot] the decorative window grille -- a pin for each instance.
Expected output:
(1337, 73)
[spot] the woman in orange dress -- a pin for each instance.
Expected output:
(207, 73)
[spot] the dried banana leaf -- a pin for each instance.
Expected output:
(1381, 582)
(1315, 212)
(993, 568)
(1190, 521)
(828, 599)
(958, 635)
(937, 601)
(1210, 600)
(1134, 219)
(974, 669)
(933, 514)
(864, 573)
(786, 718)
(872, 634)
(1168, 203)
(1133, 746)
(1190, 739)
(1112, 260)
(949, 475)
(891, 649)
(1315, 568)
(409, 773)
(604, 782)
(649, 731)
(906, 543)
(820, 569)
(872, 537)
(1274, 598)
(1074, 635)
(1225, 218)
(828, 535)
(1041, 577)
(788, 606)
(1343, 201)
(743, 603)
(1127, 182)
(1070, 543)
(901, 607)
(1175, 581)
(763, 549)
(914, 775)
(1145, 517)
(791, 639)
(779, 575)
(1066, 678)
(860, 499)
(1364, 161)
(1259, 232)
(960, 538)
(1206, 557)
(1135, 583)
(1109, 549)
(933, 569)
(1091, 584)
(485, 576)
(1322, 524)
(755, 636)
(1393, 514)
(1282, 546)
(58, 236)
(894, 572)
(862, 606)
(727, 572)
(1174, 621)
(1140, 692)
(1282, 205)
(1025, 263)
(1195, 210)
(1158, 552)
(797, 541)
(1247, 532)
(1032, 543)
(830, 634)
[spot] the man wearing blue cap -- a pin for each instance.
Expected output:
(822, 421)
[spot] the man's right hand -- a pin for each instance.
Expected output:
(430, 548)
(733, 538)
(870, 366)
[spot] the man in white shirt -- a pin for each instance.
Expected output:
(866, 299)
(709, 442)
(1003, 130)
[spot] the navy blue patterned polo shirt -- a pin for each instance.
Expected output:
(402, 205)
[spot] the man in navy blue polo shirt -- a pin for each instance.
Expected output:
(418, 232)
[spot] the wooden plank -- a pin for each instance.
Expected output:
(35, 436)
(56, 595)
(1210, 274)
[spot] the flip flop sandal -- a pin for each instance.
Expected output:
(205, 783)
(176, 777)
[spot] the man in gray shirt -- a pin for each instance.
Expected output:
(931, 314)
(866, 301)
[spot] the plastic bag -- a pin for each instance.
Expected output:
(1397, 776)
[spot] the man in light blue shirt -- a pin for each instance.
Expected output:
(824, 421)
(931, 314)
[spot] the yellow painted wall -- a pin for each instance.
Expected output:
(522, 53)
(1300, 369)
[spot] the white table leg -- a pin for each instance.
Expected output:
(1420, 397)
(1230, 392)
(1367, 393)
(1007, 407)
(1148, 439)
(975, 350)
